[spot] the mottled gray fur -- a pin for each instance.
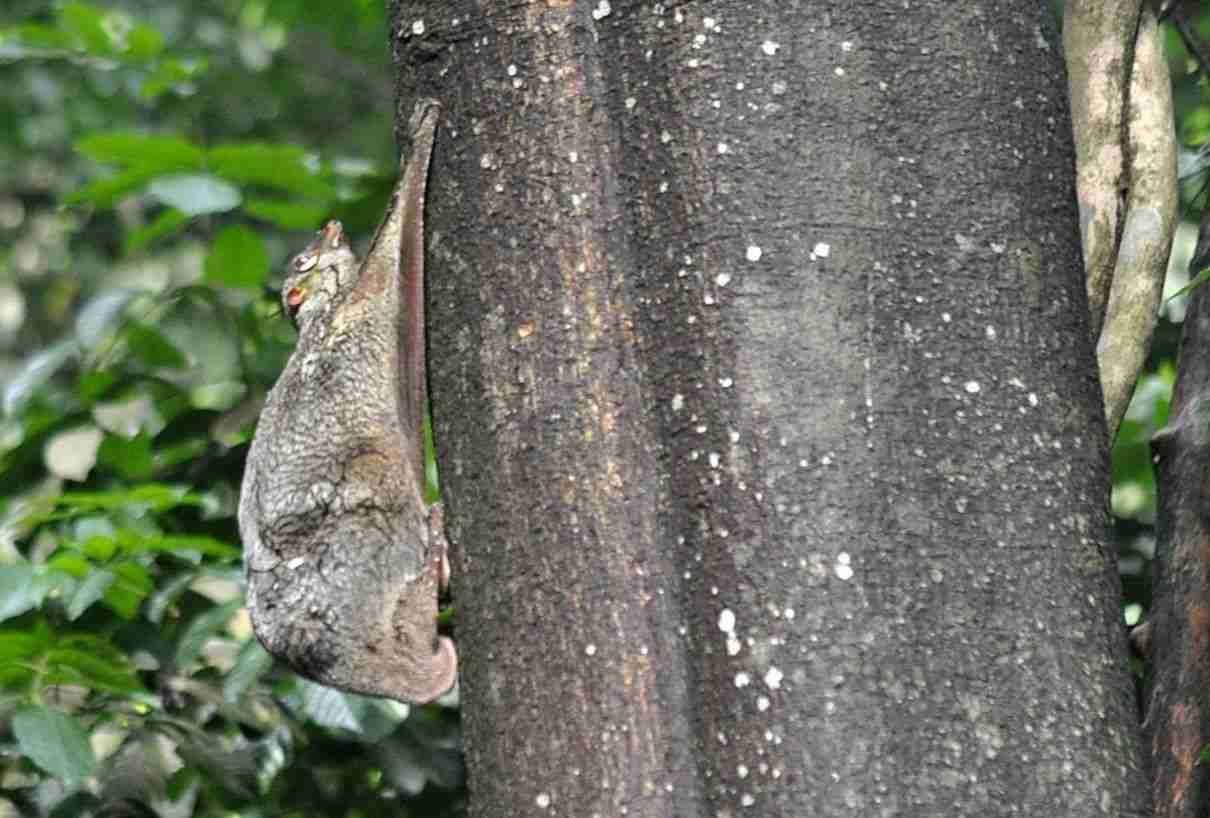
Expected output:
(343, 557)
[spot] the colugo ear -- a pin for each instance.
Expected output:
(333, 234)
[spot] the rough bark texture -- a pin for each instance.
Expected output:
(767, 413)
(1178, 695)
(1148, 226)
(1098, 40)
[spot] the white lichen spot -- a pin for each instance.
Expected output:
(990, 332)
(846, 46)
(747, 800)
(822, 249)
(722, 279)
(723, 147)
(788, 613)
(773, 678)
(678, 402)
(733, 646)
(754, 253)
(573, 157)
(838, 71)
(726, 621)
(665, 137)
(742, 680)
(542, 800)
(769, 47)
(714, 460)
(602, 10)
(297, 562)
(486, 161)
(418, 27)
(762, 703)
(742, 771)
(778, 88)
(1033, 399)
(972, 387)
(590, 649)
(843, 568)
(630, 103)
(709, 23)
(998, 247)
(512, 70)
(946, 317)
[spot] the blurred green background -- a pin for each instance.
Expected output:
(159, 162)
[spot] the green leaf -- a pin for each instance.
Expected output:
(15, 596)
(369, 717)
(284, 213)
(55, 742)
(134, 542)
(40, 36)
(165, 224)
(252, 663)
(163, 154)
(128, 457)
(70, 563)
(91, 661)
(153, 496)
(23, 645)
(195, 194)
(19, 652)
(202, 628)
(132, 585)
(94, 385)
(88, 25)
(167, 595)
(328, 708)
(1193, 284)
(237, 259)
(89, 591)
(106, 193)
(144, 42)
(101, 315)
(152, 348)
(34, 373)
(282, 167)
(171, 74)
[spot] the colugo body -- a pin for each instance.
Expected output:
(343, 558)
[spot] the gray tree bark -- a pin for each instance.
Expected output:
(1174, 638)
(766, 411)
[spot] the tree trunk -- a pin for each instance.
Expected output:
(1178, 691)
(767, 417)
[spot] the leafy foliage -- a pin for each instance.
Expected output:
(184, 140)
